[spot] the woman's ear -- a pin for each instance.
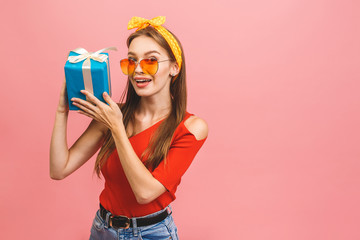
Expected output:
(174, 70)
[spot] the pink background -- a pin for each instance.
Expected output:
(277, 82)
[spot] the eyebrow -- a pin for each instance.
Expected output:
(147, 53)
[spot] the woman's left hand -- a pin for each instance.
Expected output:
(110, 115)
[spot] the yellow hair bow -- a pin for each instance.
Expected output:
(140, 23)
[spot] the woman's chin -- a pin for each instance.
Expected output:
(143, 93)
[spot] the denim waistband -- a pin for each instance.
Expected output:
(134, 229)
(167, 208)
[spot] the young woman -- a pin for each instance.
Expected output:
(147, 142)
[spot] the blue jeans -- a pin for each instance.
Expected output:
(166, 229)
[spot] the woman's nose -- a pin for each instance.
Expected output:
(138, 68)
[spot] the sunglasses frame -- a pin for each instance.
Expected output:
(139, 62)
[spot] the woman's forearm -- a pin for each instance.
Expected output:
(145, 187)
(58, 146)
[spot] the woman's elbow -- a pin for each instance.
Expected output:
(150, 196)
(56, 176)
(143, 199)
(146, 197)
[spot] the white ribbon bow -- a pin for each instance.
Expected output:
(83, 54)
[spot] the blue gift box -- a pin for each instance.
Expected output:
(87, 71)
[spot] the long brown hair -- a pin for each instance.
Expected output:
(160, 142)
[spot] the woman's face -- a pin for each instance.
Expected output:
(146, 47)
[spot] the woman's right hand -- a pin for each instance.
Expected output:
(63, 106)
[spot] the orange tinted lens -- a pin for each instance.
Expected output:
(127, 66)
(149, 66)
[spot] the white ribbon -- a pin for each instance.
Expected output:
(83, 54)
(86, 67)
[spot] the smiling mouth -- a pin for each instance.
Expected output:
(142, 80)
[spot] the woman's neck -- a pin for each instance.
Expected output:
(153, 108)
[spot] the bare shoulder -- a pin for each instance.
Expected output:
(197, 126)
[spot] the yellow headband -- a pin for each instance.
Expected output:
(140, 23)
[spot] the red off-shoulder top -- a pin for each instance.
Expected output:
(117, 195)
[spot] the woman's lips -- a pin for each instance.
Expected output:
(142, 82)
